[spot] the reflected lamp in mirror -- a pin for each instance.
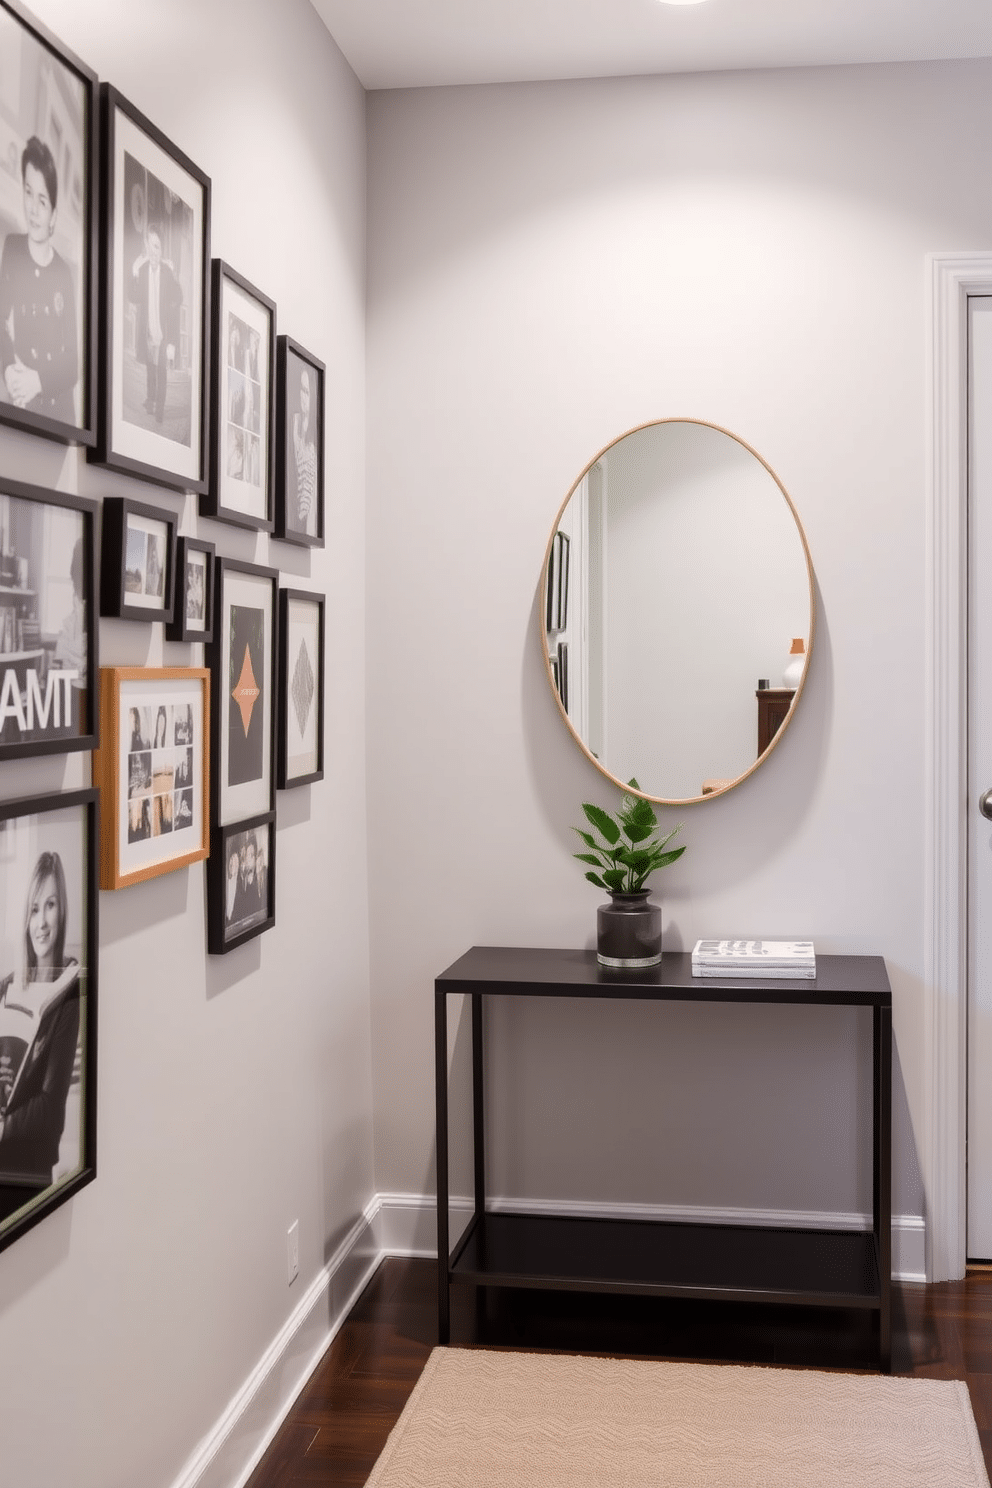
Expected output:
(678, 592)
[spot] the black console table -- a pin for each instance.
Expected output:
(814, 1268)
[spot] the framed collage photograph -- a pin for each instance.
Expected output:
(48, 975)
(242, 403)
(48, 626)
(300, 731)
(193, 611)
(153, 771)
(242, 658)
(241, 882)
(138, 562)
(299, 445)
(48, 233)
(156, 298)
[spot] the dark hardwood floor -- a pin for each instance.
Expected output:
(338, 1426)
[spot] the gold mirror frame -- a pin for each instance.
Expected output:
(721, 787)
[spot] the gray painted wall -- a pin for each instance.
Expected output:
(549, 266)
(234, 1093)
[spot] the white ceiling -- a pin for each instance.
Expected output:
(422, 43)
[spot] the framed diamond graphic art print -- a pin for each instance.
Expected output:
(242, 660)
(300, 731)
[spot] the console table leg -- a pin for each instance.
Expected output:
(882, 1186)
(441, 1150)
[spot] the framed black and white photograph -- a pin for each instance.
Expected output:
(153, 771)
(242, 659)
(242, 403)
(301, 688)
(48, 626)
(138, 561)
(299, 445)
(154, 331)
(193, 611)
(48, 212)
(48, 977)
(241, 882)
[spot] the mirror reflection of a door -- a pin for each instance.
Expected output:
(678, 615)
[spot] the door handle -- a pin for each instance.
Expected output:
(985, 804)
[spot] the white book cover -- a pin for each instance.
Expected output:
(757, 953)
(804, 973)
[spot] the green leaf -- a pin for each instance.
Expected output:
(588, 839)
(595, 878)
(636, 833)
(641, 862)
(587, 858)
(602, 821)
(669, 857)
(614, 878)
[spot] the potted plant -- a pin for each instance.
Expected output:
(629, 927)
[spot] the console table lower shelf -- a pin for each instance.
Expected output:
(742, 1263)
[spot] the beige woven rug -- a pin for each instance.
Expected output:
(477, 1419)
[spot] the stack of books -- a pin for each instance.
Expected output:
(754, 958)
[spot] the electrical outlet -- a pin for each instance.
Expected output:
(293, 1251)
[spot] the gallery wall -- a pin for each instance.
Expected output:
(234, 1093)
(549, 266)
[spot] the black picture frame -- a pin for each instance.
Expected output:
(49, 700)
(557, 584)
(231, 921)
(193, 610)
(242, 403)
(301, 688)
(60, 91)
(153, 406)
(299, 463)
(138, 561)
(48, 846)
(243, 659)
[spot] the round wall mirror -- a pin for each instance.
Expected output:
(677, 622)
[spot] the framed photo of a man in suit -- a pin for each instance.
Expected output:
(154, 341)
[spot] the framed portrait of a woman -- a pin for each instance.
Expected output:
(155, 236)
(48, 976)
(299, 445)
(242, 402)
(48, 254)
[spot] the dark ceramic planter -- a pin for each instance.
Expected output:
(628, 932)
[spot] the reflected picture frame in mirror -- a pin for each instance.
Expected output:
(678, 528)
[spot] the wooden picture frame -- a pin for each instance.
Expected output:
(49, 273)
(299, 445)
(154, 346)
(153, 771)
(48, 625)
(301, 688)
(138, 562)
(49, 946)
(193, 610)
(242, 657)
(242, 403)
(241, 882)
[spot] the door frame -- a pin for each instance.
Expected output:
(952, 278)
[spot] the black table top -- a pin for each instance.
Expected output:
(859, 981)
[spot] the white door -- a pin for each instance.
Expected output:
(980, 780)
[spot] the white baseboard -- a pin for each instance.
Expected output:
(406, 1225)
(232, 1449)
